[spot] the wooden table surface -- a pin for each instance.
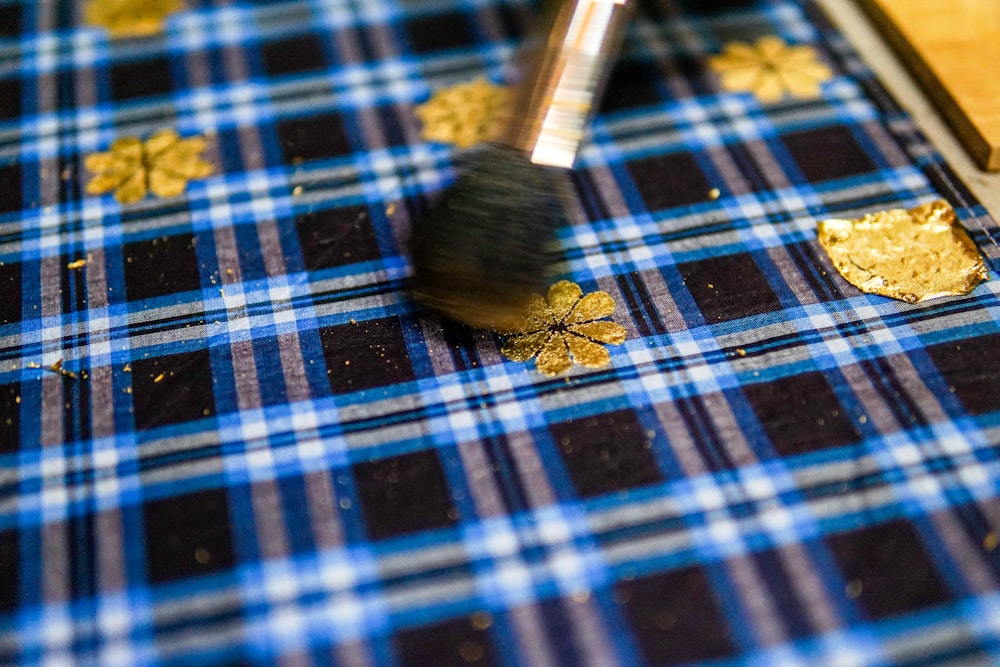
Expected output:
(873, 46)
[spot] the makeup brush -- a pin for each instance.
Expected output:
(485, 246)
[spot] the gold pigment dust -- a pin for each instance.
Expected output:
(463, 114)
(564, 329)
(163, 165)
(130, 18)
(910, 255)
(770, 69)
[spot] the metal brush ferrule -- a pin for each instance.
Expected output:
(567, 65)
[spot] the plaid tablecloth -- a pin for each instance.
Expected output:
(259, 449)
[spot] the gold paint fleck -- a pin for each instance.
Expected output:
(202, 555)
(58, 369)
(714, 194)
(297, 190)
(564, 328)
(163, 165)
(910, 255)
(158, 378)
(471, 651)
(770, 69)
(481, 620)
(130, 18)
(78, 264)
(17, 399)
(463, 114)
(127, 368)
(390, 209)
(741, 352)
(32, 364)
(853, 588)
(990, 541)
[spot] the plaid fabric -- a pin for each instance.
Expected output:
(276, 456)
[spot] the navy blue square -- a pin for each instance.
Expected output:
(312, 138)
(336, 237)
(801, 414)
(729, 287)
(10, 570)
(10, 293)
(971, 368)
(160, 266)
(10, 187)
(302, 53)
(10, 99)
(438, 32)
(668, 181)
(365, 355)
(889, 569)
(606, 453)
(827, 153)
(675, 617)
(459, 643)
(11, 20)
(172, 389)
(10, 417)
(132, 79)
(631, 84)
(188, 535)
(404, 494)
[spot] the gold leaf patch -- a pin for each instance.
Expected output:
(130, 18)
(565, 328)
(163, 165)
(463, 114)
(770, 69)
(910, 255)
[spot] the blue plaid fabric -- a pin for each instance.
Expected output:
(271, 454)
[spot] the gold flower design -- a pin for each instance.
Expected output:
(131, 18)
(566, 323)
(770, 69)
(163, 165)
(463, 114)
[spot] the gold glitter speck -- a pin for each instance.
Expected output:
(78, 264)
(481, 620)
(770, 69)
(564, 328)
(163, 165)
(463, 114)
(910, 255)
(131, 18)
(58, 369)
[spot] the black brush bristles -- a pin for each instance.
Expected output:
(486, 246)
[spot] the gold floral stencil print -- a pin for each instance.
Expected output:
(566, 327)
(131, 18)
(910, 255)
(463, 114)
(163, 165)
(770, 69)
